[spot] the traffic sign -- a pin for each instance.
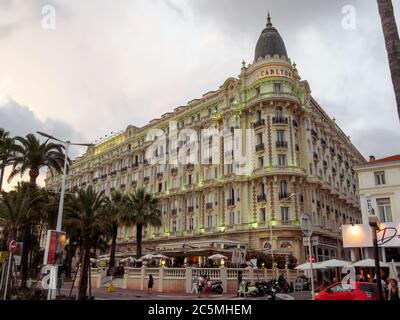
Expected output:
(12, 246)
(306, 225)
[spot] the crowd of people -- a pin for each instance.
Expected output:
(201, 285)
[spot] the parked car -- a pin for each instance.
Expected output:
(357, 291)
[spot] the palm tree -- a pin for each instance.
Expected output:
(143, 209)
(115, 208)
(392, 41)
(19, 209)
(87, 217)
(7, 147)
(32, 155)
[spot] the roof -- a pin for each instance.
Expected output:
(270, 43)
(387, 159)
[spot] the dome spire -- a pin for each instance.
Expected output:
(269, 23)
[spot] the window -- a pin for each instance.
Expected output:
(209, 221)
(284, 214)
(160, 187)
(282, 160)
(260, 162)
(232, 218)
(258, 116)
(258, 91)
(280, 134)
(262, 216)
(277, 87)
(191, 224)
(259, 138)
(384, 210)
(380, 178)
(174, 226)
(283, 188)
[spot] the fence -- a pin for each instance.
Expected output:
(178, 280)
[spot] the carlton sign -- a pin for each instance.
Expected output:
(360, 236)
(276, 71)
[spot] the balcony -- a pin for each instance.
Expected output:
(281, 145)
(318, 204)
(325, 164)
(190, 166)
(134, 183)
(135, 165)
(260, 147)
(339, 157)
(191, 209)
(123, 185)
(230, 202)
(174, 211)
(160, 175)
(314, 134)
(323, 143)
(283, 195)
(146, 179)
(295, 124)
(297, 148)
(209, 205)
(124, 169)
(332, 150)
(174, 171)
(316, 158)
(262, 198)
(95, 180)
(113, 173)
(334, 171)
(104, 177)
(259, 123)
(280, 120)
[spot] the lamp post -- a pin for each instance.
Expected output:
(375, 222)
(54, 270)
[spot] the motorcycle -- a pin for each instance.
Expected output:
(268, 290)
(284, 285)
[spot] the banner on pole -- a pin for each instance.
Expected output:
(54, 253)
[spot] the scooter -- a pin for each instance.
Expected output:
(246, 289)
(268, 290)
(216, 287)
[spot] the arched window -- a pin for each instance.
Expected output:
(258, 115)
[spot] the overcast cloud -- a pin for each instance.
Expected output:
(109, 64)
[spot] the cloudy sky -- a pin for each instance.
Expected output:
(108, 63)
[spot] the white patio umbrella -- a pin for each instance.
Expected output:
(335, 263)
(217, 257)
(368, 263)
(103, 259)
(307, 266)
(93, 260)
(148, 256)
(128, 259)
(160, 256)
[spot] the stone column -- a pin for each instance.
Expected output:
(160, 279)
(224, 278)
(142, 277)
(188, 279)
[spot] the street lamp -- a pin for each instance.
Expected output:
(67, 144)
(375, 222)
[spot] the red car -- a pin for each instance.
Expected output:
(358, 291)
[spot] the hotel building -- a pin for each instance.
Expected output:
(301, 161)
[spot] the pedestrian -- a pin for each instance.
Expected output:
(393, 290)
(208, 286)
(195, 284)
(150, 284)
(60, 280)
(200, 280)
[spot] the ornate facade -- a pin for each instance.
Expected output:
(301, 162)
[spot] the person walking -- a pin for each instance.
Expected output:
(393, 290)
(195, 285)
(150, 284)
(200, 280)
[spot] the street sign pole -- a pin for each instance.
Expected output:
(307, 228)
(311, 268)
(7, 275)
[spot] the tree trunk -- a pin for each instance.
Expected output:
(33, 174)
(25, 256)
(392, 41)
(139, 228)
(113, 245)
(1, 176)
(82, 295)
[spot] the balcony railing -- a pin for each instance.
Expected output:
(230, 202)
(283, 195)
(259, 123)
(281, 144)
(104, 177)
(160, 175)
(113, 173)
(190, 166)
(146, 179)
(261, 197)
(260, 147)
(124, 169)
(174, 171)
(280, 120)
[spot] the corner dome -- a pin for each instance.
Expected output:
(270, 43)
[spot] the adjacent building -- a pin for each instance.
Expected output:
(379, 183)
(301, 161)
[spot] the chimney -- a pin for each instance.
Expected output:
(371, 158)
